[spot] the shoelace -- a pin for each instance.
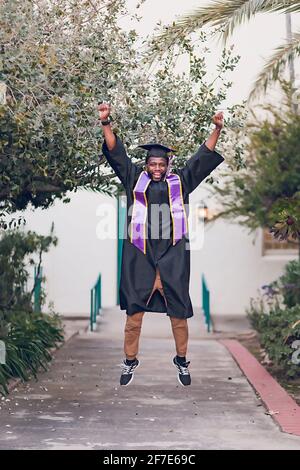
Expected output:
(184, 368)
(127, 369)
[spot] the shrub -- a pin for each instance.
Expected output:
(18, 251)
(27, 335)
(289, 283)
(28, 339)
(279, 332)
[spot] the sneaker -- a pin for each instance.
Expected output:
(128, 372)
(184, 377)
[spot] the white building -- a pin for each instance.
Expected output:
(235, 263)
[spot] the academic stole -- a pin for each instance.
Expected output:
(140, 210)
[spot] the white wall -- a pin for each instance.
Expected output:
(73, 265)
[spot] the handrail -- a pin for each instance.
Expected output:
(206, 303)
(96, 303)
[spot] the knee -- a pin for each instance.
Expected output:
(132, 327)
(179, 323)
(134, 322)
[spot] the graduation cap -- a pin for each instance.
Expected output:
(156, 150)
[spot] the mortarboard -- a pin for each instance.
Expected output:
(156, 150)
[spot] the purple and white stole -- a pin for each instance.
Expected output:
(140, 209)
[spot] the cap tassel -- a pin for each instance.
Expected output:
(169, 167)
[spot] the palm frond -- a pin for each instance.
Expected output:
(224, 15)
(275, 65)
(292, 6)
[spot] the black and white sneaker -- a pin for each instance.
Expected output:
(184, 377)
(128, 372)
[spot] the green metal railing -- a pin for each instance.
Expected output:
(38, 275)
(121, 206)
(95, 302)
(206, 303)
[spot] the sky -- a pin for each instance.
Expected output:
(254, 41)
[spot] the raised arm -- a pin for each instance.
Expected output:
(205, 160)
(218, 120)
(115, 152)
(109, 136)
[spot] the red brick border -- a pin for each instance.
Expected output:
(275, 398)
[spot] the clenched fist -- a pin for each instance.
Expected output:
(218, 120)
(104, 111)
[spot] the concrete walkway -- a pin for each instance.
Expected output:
(78, 403)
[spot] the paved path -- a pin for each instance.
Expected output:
(78, 403)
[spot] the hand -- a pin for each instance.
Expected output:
(218, 120)
(104, 111)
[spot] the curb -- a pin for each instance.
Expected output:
(280, 405)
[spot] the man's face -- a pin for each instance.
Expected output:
(157, 167)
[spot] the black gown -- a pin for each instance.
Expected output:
(138, 270)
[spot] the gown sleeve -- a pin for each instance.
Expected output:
(122, 165)
(198, 167)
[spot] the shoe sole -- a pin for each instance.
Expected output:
(126, 385)
(178, 377)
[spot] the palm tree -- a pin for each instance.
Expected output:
(225, 16)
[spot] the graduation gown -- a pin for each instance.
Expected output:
(138, 270)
